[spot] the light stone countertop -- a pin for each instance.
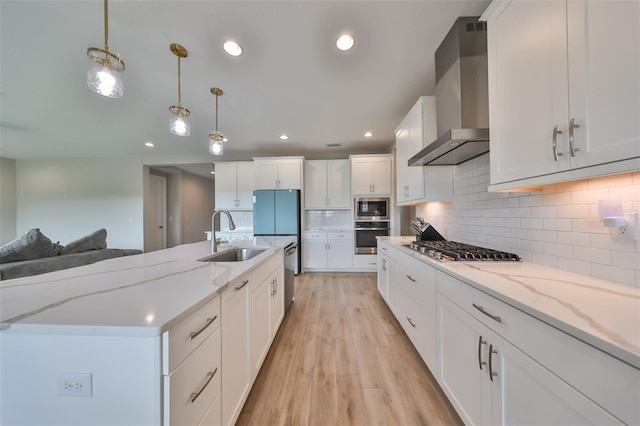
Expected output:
(140, 295)
(601, 313)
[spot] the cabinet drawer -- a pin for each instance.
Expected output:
(314, 236)
(214, 415)
(265, 269)
(419, 281)
(420, 328)
(190, 390)
(368, 261)
(591, 371)
(339, 235)
(179, 341)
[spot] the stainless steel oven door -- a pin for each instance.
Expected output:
(365, 239)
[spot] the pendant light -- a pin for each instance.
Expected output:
(104, 74)
(178, 123)
(216, 138)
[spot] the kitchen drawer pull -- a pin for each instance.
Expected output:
(572, 147)
(411, 278)
(481, 309)
(195, 334)
(411, 322)
(243, 284)
(555, 142)
(491, 352)
(480, 361)
(210, 375)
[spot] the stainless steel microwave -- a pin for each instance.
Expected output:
(371, 208)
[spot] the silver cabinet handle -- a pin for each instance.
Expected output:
(384, 264)
(195, 334)
(275, 283)
(411, 278)
(480, 361)
(492, 374)
(384, 248)
(242, 285)
(572, 147)
(411, 322)
(555, 142)
(210, 375)
(481, 309)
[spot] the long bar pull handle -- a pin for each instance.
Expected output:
(555, 142)
(481, 309)
(572, 147)
(210, 375)
(413, 280)
(492, 374)
(411, 322)
(242, 285)
(195, 334)
(480, 361)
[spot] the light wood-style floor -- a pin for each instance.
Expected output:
(341, 358)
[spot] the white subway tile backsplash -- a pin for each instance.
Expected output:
(557, 227)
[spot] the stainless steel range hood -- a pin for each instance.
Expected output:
(462, 101)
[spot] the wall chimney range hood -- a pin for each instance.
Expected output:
(462, 100)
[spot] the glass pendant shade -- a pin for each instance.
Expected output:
(178, 120)
(216, 143)
(104, 73)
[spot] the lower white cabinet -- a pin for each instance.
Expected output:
(329, 251)
(365, 262)
(388, 276)
(492, 366)
(236, 355)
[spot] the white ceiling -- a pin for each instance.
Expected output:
(291, 78)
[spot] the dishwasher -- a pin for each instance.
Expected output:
(290, 263)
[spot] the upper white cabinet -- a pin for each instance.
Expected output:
(425, 183)
(278, 172)
(563, 90)
(327, 184)
(234, 185)
(371, 174)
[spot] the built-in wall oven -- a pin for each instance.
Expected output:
(365, 233)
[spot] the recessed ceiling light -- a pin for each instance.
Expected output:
(232, 48)
(284, 137)
(149, 144)
(345, 42)
(212, 172)
(368, 134)
(333, 145)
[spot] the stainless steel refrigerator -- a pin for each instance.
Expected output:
(277, 213)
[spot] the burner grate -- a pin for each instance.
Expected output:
(452, 250)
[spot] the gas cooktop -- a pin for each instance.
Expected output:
(454, 251)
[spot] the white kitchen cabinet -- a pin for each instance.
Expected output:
(365, 262)
(425, 183)
(276, 305)
(558, 111)
(490, 381)
(234, 185)
(278, 172)
(493, 360)
(388, 276)
(327, 184)
(327, 251)
(236, 345)
(371, 174)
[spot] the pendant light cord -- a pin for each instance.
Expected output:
(216, 113)
(179, 85)
(106, 25)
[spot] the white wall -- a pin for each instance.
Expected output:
(196, 200)
(558, 227)
(68, 198)
(8, 200)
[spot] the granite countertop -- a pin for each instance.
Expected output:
(141, 295)
(601, 313)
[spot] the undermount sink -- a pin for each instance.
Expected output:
(234, 255)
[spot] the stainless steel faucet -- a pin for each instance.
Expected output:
(232, 226)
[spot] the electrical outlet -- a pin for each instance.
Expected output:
(74, 385)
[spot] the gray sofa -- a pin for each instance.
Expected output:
(34, 254)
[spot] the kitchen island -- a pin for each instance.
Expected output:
(499, 334)
(106, 328)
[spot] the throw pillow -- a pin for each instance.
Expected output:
(32, 245)
(95, 241)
